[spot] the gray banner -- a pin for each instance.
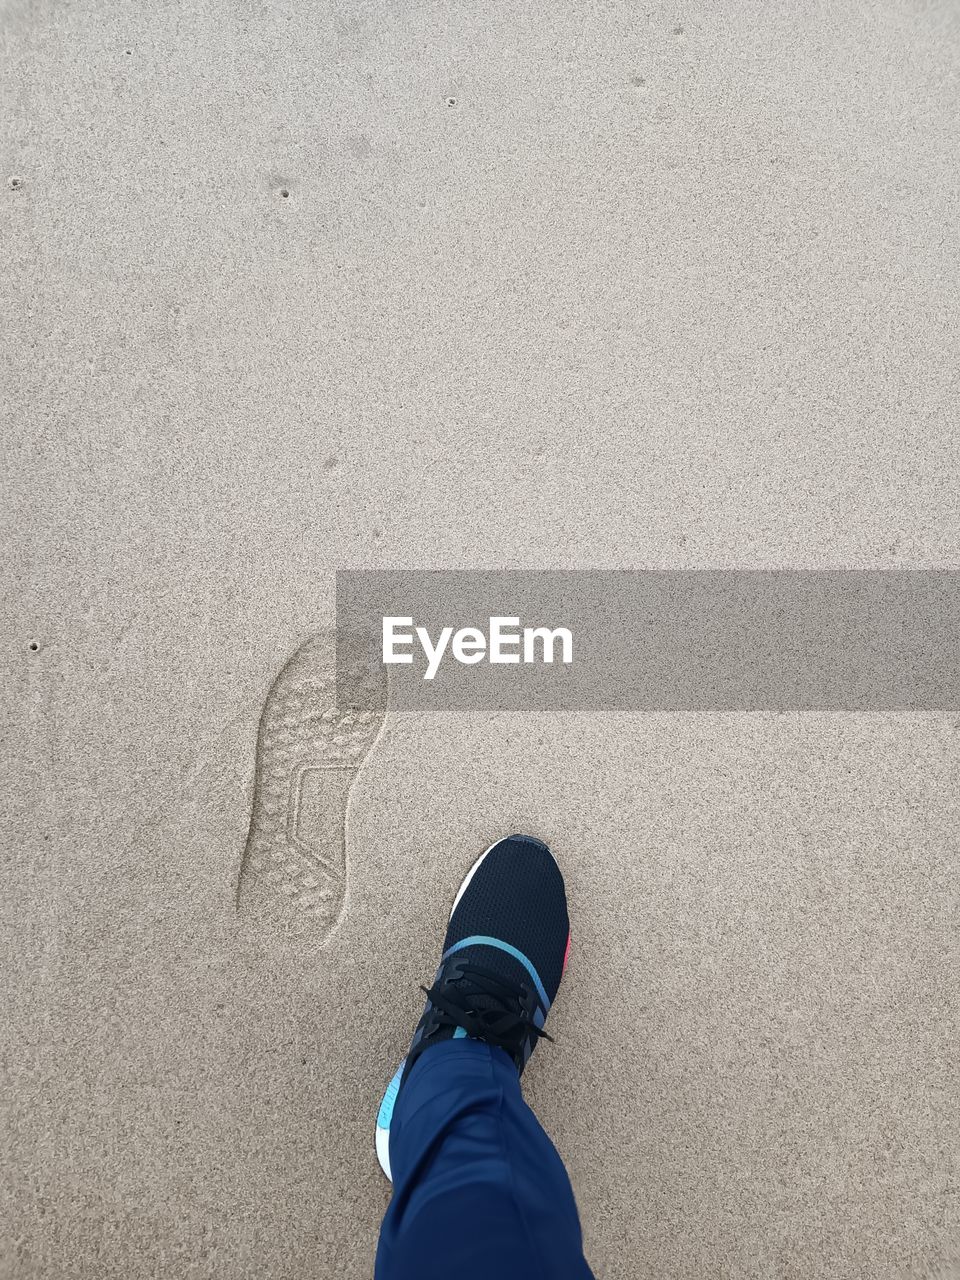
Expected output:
(707, 640)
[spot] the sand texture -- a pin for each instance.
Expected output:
(289, 288)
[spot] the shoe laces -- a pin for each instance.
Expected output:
(487, 1005)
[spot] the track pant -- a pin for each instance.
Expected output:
(479, 1191)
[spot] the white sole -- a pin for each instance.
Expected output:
(469, 876)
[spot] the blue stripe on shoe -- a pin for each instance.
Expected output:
(385, 1114)
(481, 941)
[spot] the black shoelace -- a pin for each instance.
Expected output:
(487, 1006)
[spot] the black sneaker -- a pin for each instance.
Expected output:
(506, 948)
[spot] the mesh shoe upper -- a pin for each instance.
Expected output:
(503, 954)
(517, 895)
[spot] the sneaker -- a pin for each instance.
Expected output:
(504, 954)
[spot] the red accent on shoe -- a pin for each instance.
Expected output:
(566, 954)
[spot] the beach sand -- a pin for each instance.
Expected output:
(294, 288)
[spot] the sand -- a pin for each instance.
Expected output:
(294, 288)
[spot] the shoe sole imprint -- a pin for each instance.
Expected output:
(312, 741)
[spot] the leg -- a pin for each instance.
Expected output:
(479, 1190)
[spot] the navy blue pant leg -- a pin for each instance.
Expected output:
(480, 1192)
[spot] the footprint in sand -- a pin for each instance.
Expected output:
(312, 742)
